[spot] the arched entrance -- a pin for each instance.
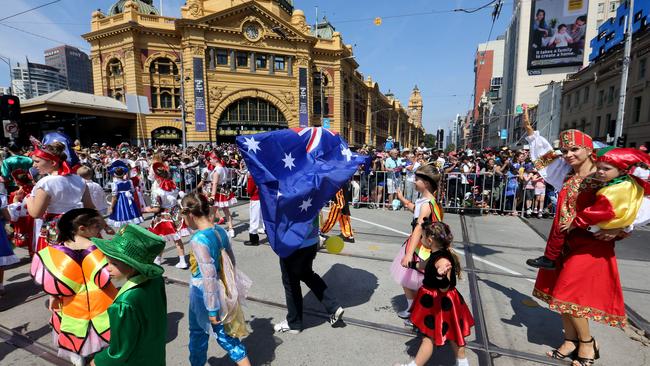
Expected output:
(166, 136)
(249, 116)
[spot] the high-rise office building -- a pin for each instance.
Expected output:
(32, 80)
(74, 65)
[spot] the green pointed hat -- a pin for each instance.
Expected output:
(135, 246)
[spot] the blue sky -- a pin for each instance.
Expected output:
(434, 51)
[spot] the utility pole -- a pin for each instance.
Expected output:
(624, 72)
(483, 127)
(322, 99)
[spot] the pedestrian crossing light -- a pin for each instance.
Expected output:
(9, 108)
(377, 21)
(621, 141)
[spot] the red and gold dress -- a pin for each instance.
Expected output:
(586, 282)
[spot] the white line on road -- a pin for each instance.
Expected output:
(477, 258)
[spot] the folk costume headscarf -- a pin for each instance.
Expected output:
(568, 140)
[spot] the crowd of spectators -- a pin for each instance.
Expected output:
(489, 181)
(502, 182)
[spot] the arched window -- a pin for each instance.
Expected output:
(258, 114)
(115, 79)
(164, 84)
(163, 66)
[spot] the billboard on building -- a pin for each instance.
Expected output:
(557, 33)
(200, 118)
(303, 109)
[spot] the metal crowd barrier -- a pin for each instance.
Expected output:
(481, 193)
(458, 193)
(186, 179)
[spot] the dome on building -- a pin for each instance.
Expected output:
(145, 6)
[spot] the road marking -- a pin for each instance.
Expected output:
(477, 258)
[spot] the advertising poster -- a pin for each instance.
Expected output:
(303, 112)
(199, 96)
(557, 33)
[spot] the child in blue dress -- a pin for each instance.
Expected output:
(124, 209)
(216, 289)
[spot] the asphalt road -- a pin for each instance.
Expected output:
(511, 327)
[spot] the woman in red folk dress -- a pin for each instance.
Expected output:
(578, 274)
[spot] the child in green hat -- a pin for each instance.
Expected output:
(138, 317)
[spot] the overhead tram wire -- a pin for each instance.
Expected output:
(430, 12)
(30, 9)
(41, 36)
(495, 15)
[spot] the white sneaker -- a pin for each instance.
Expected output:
(181, 265)
(158, 260)
(231, 233)
(337, 315)
(412, 363)
(283, 327)
(404, 314)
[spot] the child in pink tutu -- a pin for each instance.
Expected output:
(439, 310)
(427, 178)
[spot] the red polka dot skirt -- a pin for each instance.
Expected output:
(442, 316)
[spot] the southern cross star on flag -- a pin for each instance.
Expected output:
(297, 171)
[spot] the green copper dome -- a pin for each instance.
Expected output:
(145, 6)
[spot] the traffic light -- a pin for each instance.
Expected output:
(9, 108)
(621, 141)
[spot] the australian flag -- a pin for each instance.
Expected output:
(297, 171)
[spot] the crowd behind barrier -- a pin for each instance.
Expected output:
(498, 181)
(493, 181)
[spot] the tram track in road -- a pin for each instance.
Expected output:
(494, 351)
(19, 340)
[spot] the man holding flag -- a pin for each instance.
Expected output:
(297, 171)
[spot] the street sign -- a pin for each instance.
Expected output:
(10, 128)
(326, 123)
(378, 21)
(504, 134)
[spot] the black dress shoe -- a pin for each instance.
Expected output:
(541, 262)
(254, 240)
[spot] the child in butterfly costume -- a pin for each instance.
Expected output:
(74, 274)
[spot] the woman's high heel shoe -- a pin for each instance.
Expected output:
(556, 354)
(583, 361)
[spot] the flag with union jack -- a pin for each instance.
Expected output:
(297, 171)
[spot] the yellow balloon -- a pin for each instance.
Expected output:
(334, 244)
